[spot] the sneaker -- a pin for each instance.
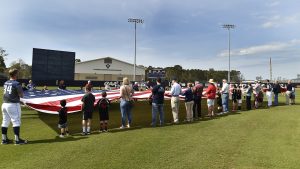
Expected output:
(20, 142)
(122, 127)
(7, 141)
(61, 136)
(84, 133)
(100, 131)
(88, 133)
(128, 126)
(106, 131)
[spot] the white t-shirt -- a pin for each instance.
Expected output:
(225, 88)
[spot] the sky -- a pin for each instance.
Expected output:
(175, 32)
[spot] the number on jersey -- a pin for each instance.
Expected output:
(7, 88)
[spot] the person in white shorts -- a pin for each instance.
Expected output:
(211, 95)
(11, 110)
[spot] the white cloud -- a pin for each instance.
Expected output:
(275, 3)
(277, 21)
(262, 49)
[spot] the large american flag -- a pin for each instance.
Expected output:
(49, 101)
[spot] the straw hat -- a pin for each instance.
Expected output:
(211, 81)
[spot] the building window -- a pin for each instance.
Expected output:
(91, 77)
(108, 60)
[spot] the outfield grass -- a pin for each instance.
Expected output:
(264, 138)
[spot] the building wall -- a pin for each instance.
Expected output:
(106, 77)
(97, 70)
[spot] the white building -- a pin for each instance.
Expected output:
(107, 69)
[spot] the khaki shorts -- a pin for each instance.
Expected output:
(210, 102)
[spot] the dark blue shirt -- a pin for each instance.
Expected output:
(277, 89)
(158, 94)
(11, 92)
(189, 96)
(289, 87)
(62, 114)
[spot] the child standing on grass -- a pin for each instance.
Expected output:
(103, 107)
(87, 108)
(62, 123)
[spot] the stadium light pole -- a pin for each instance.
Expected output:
(135, 21)
(228, 27)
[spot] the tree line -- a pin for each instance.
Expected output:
(25, 70)
(183, 75)
(190, 75)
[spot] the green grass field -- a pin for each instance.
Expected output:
(263, 138)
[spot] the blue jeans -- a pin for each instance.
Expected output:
(125, 107)
(276, 99)
(225, 98)
(155, 109)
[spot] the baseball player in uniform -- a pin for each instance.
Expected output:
(11, 110)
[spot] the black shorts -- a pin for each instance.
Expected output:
(87, 115)
(103, 115)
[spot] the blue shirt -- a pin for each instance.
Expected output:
(249, 91)
(11, 92)
(31, 86)
(176, 89)
(158, 94)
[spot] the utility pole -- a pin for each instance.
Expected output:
(228, 27)
(135, 21)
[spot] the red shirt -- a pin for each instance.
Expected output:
(211, 91)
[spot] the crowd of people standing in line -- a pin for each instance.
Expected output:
(193, 94)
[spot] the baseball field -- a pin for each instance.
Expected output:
(263, 138)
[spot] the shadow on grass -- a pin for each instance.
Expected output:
(56, 139)
(141, 117)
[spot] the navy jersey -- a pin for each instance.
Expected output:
(11, 92)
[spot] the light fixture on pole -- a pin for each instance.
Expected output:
(228, 26)
(135, 21)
